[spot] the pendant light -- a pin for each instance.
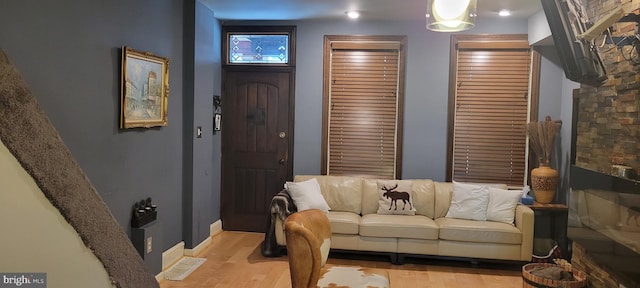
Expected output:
(451, 15)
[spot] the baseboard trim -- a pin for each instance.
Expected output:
(196, 250)
(175, 253)
(172, 255)
(160, 276)
(215, 228)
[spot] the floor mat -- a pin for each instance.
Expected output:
(183, 268)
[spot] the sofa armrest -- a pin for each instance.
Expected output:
(524, 222)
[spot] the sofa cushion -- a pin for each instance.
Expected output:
(395, 197)
(398, 226)
(342, 193)
(369, 196)
(478, 231)
(424, 197)
(306, 195)
(442, 198)
(469, 202)
(502, 204)
(344, 222)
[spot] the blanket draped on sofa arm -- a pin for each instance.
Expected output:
(282, 206)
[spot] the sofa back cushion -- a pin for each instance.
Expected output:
(369, 196)
(422, 193)
(342, 193)
(395, 197)
(307, 195)
(443, 192)
(424, 197)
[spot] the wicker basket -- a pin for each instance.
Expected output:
(533, 281)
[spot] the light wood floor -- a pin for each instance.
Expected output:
(234, 260)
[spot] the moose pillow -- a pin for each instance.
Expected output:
(395, 197)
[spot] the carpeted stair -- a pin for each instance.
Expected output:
(32, 139)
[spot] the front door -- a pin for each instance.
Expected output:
(256, 144)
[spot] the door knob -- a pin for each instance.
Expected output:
(281, 161)
(282, 135)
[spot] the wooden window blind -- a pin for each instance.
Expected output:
(491, 111)
(362, 113)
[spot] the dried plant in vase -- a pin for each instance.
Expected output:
(544, 179)
(542, 135)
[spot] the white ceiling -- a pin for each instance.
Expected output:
(369, 9)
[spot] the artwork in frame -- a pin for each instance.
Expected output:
(144, 89)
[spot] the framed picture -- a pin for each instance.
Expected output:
(144, 89)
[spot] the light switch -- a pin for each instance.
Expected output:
(199, 132)
(149, 245)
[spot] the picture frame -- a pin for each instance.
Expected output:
(144, 90)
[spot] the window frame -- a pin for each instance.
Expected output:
(491, 41)
(257, 30)
(364, 40)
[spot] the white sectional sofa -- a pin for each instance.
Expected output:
(357, 226)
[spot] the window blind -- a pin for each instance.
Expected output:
(491, 110)
(363, 110)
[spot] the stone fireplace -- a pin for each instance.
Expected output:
(606, 228)
(604, 210)
(608, 125)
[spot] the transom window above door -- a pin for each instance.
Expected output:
(259, 46)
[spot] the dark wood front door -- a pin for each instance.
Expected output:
(256, 145)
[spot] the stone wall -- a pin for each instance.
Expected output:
(608, 125)
(598, 277)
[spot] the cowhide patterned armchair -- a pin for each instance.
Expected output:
(308, 236)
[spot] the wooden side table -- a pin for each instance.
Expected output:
(551, 222)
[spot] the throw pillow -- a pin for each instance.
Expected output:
(395, 197)
(469, 201)
(306, 195)
(502, 204)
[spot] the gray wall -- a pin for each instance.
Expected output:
(202, 65)
(556, 100)
(426, 99)
(68, 52)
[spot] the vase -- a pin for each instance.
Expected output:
(544, 182)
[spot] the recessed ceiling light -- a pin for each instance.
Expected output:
(504, 13)
(353, 14)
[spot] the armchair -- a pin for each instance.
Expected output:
(308, 236)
